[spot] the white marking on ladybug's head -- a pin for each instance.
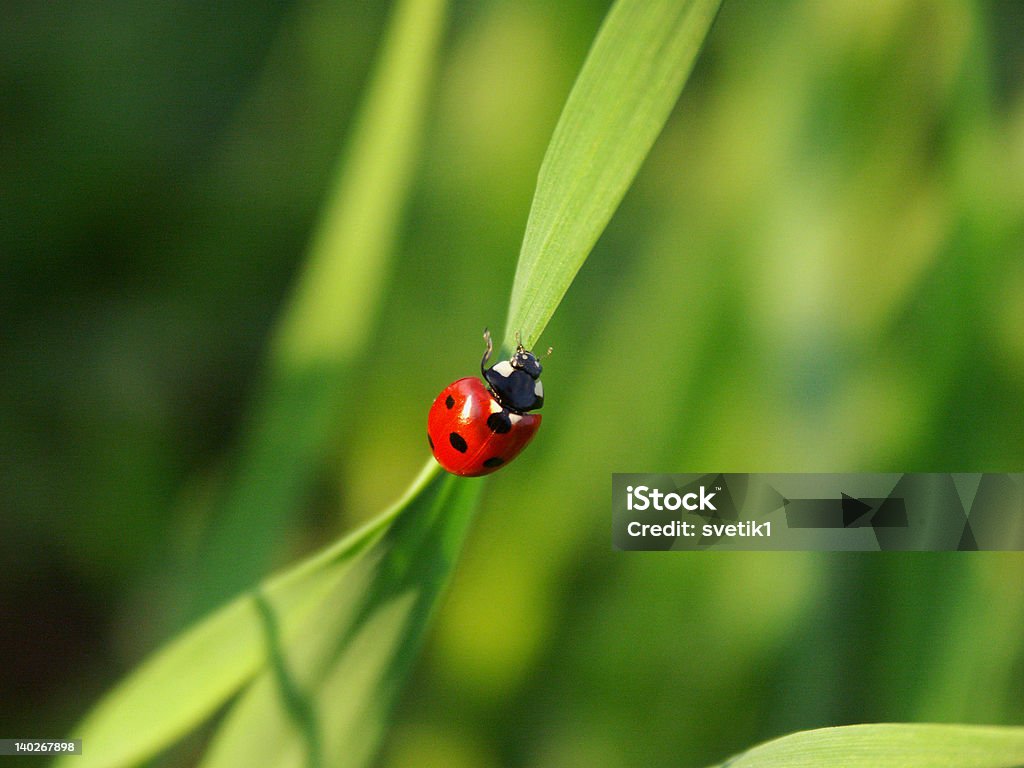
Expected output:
(504, 368)
(514, 418)
(538, 389)
(495, 406)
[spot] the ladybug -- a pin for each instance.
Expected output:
(475, 429)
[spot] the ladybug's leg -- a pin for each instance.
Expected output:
(487, 352)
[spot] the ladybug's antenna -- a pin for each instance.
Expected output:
(487, 351)
(519, 342)
(548, 353)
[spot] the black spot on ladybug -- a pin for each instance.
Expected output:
(494, 461)
(499, 422)
(431, 442)
(458, 442)
(449, 402)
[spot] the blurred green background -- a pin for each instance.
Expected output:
(818, 269)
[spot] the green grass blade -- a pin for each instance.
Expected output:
(329, 318)
(331, 310)
(324, 698)
(890, 745)
(629, 83)
(187, 680)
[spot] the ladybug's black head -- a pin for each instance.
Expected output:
(524, 360)
(515, 382)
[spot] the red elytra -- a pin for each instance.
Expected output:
(471, 434)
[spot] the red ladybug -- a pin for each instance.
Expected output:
(472, 429)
